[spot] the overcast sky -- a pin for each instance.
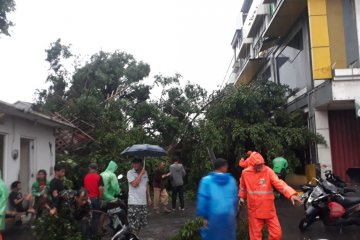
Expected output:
(191, 37)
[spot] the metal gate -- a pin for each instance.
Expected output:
(344, 140)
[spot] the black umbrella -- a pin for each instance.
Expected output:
(144, 150)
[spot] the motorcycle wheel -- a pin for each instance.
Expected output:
(303, 225)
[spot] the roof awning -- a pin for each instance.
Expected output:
(26, 113)
(284, 17)
(251, 68)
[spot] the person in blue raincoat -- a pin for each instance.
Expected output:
(217, 203)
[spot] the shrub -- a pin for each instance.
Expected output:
(62, 227)
(191, 230)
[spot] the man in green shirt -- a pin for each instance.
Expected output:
(281, 167)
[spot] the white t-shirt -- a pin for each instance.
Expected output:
(137, 196)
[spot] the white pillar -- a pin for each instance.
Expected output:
(357, 13)
(322, 128)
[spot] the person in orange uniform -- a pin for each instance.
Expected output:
(244, 163)
(256, 185)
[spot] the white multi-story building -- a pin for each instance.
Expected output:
(313, 47)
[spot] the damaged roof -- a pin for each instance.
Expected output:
(24, 110)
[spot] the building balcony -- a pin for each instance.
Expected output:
(240, 45)
(245, 47)
(249, 67)
(285, 15)
(255, 18)
(261, 44)
(237, 39)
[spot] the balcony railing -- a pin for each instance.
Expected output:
(284, 14)
(242, 63)
(258, 38)
(254, 18)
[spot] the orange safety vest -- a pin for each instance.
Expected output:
(257, 188)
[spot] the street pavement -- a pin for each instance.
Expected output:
(164, 225)
(290, 217)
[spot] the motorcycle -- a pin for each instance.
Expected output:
(117, 213)
(337, 181)
(118, 223)
(310, 192)
(326, 203)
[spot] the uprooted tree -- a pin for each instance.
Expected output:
(109, 93)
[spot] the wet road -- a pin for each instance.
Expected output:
(290, 216)
(162, 226)
(165, 225)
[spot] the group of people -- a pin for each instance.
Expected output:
(44, 194)
(219, 199)
(98, 189)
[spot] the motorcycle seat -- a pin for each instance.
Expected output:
(350, 201)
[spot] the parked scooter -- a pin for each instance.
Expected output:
(337, 181)
(117, 213)
(325, 202)
(310, 192)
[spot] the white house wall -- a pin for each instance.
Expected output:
(44, 158)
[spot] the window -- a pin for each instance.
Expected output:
(293, 48)
(266, 75)
(293, 63)
(350, 30)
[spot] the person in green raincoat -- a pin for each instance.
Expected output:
(111, 184)
(3, 201)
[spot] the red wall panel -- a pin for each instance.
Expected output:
(344, 140)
